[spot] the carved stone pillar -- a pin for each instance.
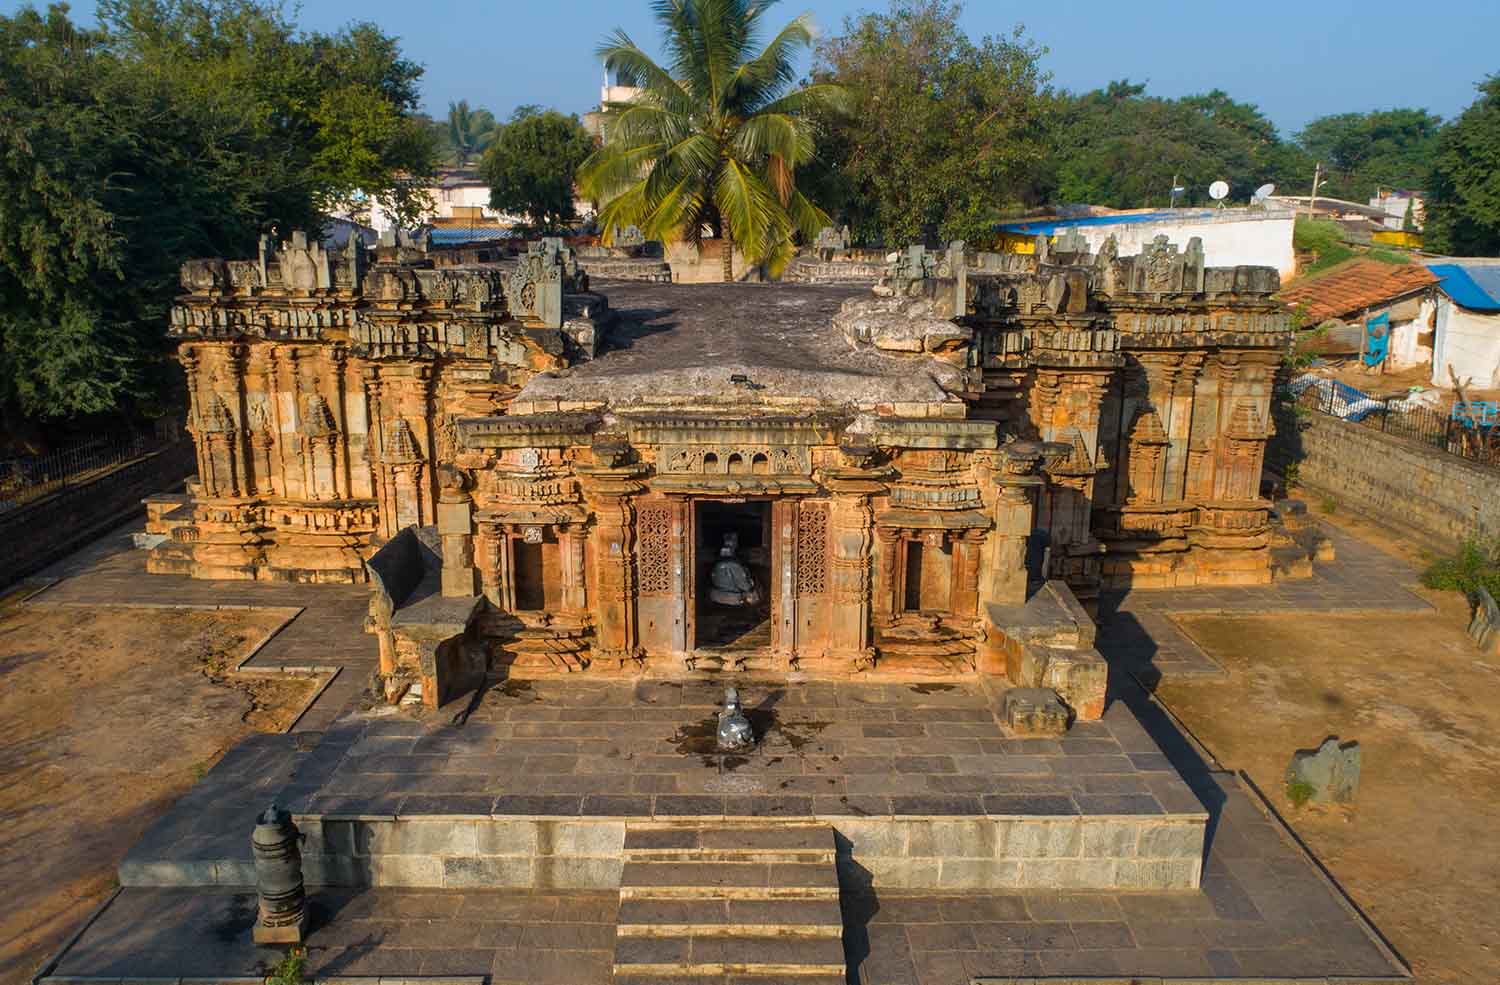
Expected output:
(887, 592)
(337, 357)
(850, 522)
(570, 542)
(492, 557)
(455, 523)
(610, 488)
(1013, 472)
(293, 470)
(188, 356)
(1006, 584)
(784, 563)
(967, 548)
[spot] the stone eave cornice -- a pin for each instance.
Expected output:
(550, 430)
(931, 433)
(658, 427)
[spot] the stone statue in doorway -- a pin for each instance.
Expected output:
(730, 581)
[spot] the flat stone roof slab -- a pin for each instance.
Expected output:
(681, 343)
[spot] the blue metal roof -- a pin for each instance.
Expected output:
(457, 235)
(1473, 286)
(1049, 227)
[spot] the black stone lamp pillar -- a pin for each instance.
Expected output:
(281, 917)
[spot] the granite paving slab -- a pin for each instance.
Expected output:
(514, 938)
(1137, 631)
(579, 747)
(327, 632)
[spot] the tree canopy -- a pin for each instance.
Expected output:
(715, 136)
(469, 132)
(943, 134)
(1463, 205)
(530, 165)
(1365, 152)
(1122, 148)
(179, 128)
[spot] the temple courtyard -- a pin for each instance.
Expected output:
(894, 826)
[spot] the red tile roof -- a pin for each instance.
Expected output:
(1354, 286)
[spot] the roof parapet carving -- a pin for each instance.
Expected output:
(395, 301)
(535, 289)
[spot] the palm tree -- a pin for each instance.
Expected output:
(713, 139)
(469, 131)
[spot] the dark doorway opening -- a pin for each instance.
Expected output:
(733, 626)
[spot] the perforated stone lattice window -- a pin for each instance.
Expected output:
(654, 549)
(812, 549)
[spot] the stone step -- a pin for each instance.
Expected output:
(739, 917)
(728, 880)
(746, 978)
(814, 840)
(712, 662)
(783, 958)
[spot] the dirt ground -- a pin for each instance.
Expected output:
(108, 716)
(1416, 851)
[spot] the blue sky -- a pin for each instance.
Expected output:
(1295, 59)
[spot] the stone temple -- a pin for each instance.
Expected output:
(572, 516)
(539, 474)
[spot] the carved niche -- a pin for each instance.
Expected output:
(735, 460)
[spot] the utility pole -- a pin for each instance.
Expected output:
(1317, 179)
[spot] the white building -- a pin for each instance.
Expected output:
(1466, 330)
(1231, 237)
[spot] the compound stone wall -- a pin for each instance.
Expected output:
(1407, 485)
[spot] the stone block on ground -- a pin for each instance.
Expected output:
(1328, 774)
(1484, 628)
(1034, 711)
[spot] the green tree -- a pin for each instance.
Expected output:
(715, 137)
(177, 129)
(531, 164)
(1463, 204)
(1122, 148)
(1363, 152)
(944, 136)
(470, 132)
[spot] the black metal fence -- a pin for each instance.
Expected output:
(1470, 431)
(27, 478)
(47, 529)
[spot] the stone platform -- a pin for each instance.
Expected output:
(1265, 913)
(533, 785)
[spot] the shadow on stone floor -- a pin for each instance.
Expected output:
(1182, 753)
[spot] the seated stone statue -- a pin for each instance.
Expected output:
(731, 583)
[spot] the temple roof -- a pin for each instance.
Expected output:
(739, 345)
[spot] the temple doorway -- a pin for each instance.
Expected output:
(726, 617)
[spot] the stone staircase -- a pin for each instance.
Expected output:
(720, 902)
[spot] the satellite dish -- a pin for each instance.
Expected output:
(1218, 191)
(1263, 192)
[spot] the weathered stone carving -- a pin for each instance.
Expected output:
(535, 289)
(888, 499)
